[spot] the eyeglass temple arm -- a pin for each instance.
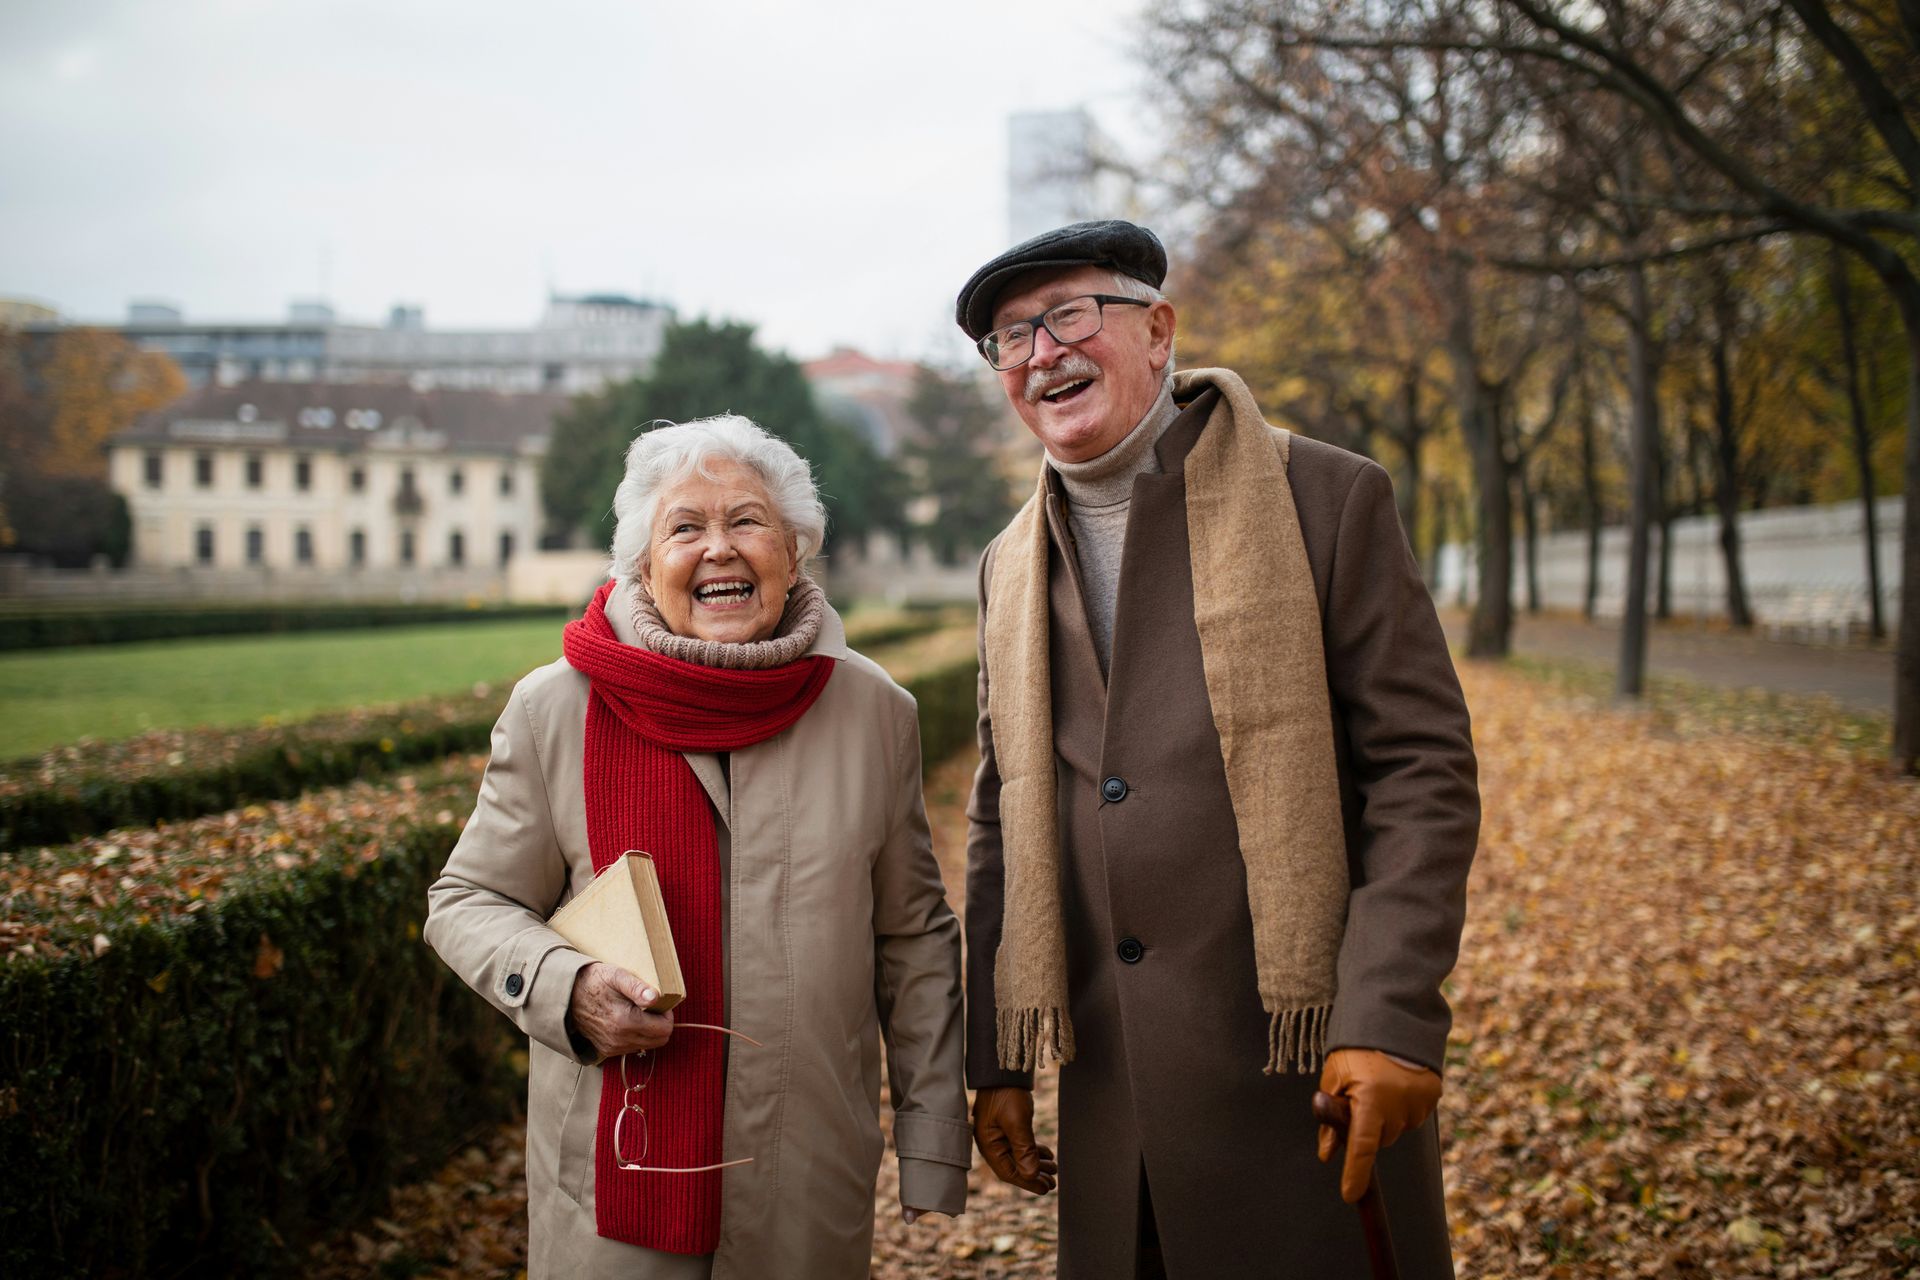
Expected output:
(708, 1026)
(699, 1168)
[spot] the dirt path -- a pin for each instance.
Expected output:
(1856, 677)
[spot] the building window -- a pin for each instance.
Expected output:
(406, 546)
(303, 473)
(357, 479)
(203, 544)
(256, 470)
(506, 549)
(457, 481)
(154, 459)
(303, 545)
(506, 482)
(256, 544)
(357, 548)
(203, 470)
(456, 548)
(408, 502)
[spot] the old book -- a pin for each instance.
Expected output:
(622, 919)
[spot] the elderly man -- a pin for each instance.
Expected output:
(1225, 808)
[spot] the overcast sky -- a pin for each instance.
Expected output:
(830, 172)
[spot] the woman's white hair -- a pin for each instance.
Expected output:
(662, 457)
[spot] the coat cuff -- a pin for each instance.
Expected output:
(933, 1184)
(941, 1139)
(548, 994)
(1416, 1040)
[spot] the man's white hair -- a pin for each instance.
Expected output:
(662, 457)
(1139, 290)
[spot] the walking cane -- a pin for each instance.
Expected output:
(1333, 1112)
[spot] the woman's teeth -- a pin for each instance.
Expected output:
(723, 592)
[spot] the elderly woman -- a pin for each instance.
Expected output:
(708, 711)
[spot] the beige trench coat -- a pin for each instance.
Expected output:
(837, 933)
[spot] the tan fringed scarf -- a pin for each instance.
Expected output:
(1266, 679)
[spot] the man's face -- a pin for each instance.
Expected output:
(1081, 400)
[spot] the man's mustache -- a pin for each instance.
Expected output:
(1072, 366)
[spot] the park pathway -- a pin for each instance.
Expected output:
(1857, 677)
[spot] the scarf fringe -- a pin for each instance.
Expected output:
(1297, 1040)
(1027, 1037)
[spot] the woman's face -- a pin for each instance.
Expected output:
(721, 561)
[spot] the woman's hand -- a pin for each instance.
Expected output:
(609, 1008)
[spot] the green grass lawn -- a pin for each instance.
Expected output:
(54, 696)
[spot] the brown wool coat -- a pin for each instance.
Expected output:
(1167, 1082)
(838, 933)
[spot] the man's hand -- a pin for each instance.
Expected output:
(1387, 1099)
(609, 1008)
(1003, 1130)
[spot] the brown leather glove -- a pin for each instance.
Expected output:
(1003, 1130)
(1387, 1099)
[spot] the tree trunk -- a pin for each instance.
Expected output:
(1630, 678)
(1590, 487)
(1663, 512)
(1490, 629)
(1409, 494)
(1530, 525)
(1906, 679)
(1727, 484)
(1862, 439)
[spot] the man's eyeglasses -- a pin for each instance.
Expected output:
(1075, 320)
(633, 1131)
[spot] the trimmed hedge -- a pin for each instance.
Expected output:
(78, 791)
(948, 708)
(254, 1046)
(56, 628)
(212, 1090)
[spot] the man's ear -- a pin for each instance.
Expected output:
(1161, 322)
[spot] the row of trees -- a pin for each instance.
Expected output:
(1606, 256)
(943, 486)
(60, 398)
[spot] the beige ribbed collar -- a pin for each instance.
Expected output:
(799, 627)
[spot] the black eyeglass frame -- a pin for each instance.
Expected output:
(1039, 322)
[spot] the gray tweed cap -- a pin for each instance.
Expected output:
(1112, 242)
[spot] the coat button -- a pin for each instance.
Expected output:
(1114, 790)
(1130, 950)
(514, 983)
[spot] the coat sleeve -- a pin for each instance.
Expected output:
(487, 913)
(917, 989)
(1412, 833)
(986, 882)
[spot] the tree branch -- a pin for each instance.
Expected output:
(1883, 108)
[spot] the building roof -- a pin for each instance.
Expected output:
(351, 416)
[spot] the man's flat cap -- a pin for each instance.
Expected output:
(1131, 250)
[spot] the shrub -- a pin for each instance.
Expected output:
(76, 791)
(243, 1061)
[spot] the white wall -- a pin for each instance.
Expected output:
(1795, 559)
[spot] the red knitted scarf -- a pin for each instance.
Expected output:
(642, 712)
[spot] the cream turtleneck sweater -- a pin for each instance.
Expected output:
(1099, 494)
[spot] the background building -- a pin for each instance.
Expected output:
(580, 344)
(325, 489)
(1060, 170)
(867, 393)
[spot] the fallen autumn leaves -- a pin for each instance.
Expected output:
(1687, 1025)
